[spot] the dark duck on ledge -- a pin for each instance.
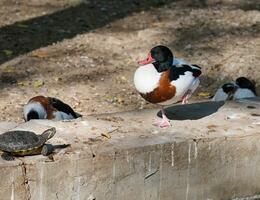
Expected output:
(164, 80)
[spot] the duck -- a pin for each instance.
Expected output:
(160, 79)
(246, 88)
(41, 107)
(241, 88)
(225, 92)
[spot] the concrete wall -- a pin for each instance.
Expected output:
(214, 158)
(222, 168)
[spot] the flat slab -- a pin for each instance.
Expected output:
(210, 152)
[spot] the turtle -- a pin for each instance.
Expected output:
(23, 143)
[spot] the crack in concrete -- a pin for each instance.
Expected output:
(92, 151)
(151, 174)
(57, 197)
(25, 180)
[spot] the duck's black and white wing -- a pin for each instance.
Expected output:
(64, 111)
(185, 77)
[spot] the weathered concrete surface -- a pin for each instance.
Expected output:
(214, 157)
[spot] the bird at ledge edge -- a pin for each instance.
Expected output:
(163, 80)
(240, 89)
(40, 107)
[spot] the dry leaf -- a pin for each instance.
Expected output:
(23, 83)
(106, 135)
(38, 83)
(212, 126)
(40, 54)
(204, 94)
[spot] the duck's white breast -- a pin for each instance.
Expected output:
(220, 95)
(146, 78)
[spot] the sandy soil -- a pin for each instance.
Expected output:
(85, 52)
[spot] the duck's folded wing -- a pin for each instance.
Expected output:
(60, 106)
(183, 77)
(178, 70)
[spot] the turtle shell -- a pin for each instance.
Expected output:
(13, 141)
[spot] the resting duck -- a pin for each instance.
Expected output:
(40, 107)
(241, 88)
(246, 88)
(164, 80)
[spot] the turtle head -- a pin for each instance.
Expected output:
(49, 133)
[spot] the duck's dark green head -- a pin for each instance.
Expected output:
(161, 57)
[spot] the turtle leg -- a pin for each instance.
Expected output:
(47, 149)
(7, 156)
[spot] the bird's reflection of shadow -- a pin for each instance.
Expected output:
(192, 111)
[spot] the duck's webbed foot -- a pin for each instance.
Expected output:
(164, 122)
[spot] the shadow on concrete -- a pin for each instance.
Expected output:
(25, 36)
(192, 111)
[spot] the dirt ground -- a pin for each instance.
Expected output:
(85, 52)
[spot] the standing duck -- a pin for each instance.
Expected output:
(40, 107)
(163, 80)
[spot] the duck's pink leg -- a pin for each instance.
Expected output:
(186, 96)
(190, 91)
(164, 122)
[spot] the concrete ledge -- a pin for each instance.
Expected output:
(214, 157)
